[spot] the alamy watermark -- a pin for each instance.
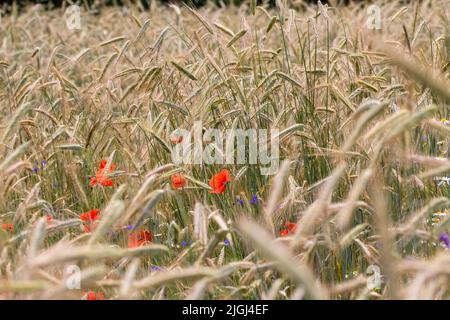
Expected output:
(374, 277)
(214, 146)
(374, 19)
(72, 277)
(73, 17)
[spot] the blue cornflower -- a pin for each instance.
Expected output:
(445, 239)
(185, 243)
(254, 199)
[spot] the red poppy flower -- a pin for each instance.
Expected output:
(139, 238)
(178, 181)
(101, 177)
(90, 219)
(7, 226)
(176, 139)
(49, 220)
(91, 295)
(290, 227)
(284, 233)
(100, 296)
(218, 181)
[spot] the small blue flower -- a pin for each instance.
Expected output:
(129, 227)
(35, 169)
(240, 201)
(155, 268)
(226, 242)
(44, 163)
(254, 199)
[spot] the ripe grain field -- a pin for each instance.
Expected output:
(90, 194)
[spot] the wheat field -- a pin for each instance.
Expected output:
(93, 207)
